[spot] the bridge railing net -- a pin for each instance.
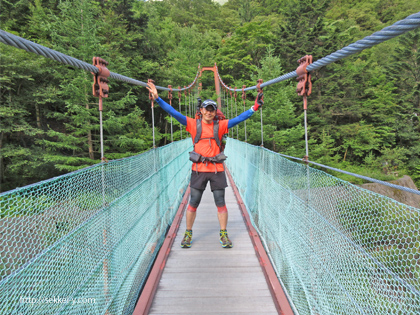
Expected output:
(337, 248)
(83, 243)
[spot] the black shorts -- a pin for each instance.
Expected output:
(217, 180)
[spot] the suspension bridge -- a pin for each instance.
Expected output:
(103, 239)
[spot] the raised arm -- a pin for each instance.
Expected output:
(166, 107)
(245, 115)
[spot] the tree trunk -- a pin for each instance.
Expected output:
(345, 154)
(90, 143)
(38, 116)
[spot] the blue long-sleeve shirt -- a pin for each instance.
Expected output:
(183, 119)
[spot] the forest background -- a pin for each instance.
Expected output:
(363, 113)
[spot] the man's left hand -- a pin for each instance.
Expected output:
(259, 101)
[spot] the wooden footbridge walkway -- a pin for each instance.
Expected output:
(210, 279)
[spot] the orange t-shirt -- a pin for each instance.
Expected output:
(207, 147)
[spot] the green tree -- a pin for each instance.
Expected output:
(240, 53)
(324, 151)
(20, 158)
(205, 14)
(357, 140)
(301, 29)
(283, 128)
(404, 71)
(75, 32)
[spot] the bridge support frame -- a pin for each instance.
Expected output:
(216, 83)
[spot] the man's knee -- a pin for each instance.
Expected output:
(191, 208)
(219, 198)
(222, 209)
(195, 199)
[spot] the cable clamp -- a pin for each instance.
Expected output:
(259, 88)
(304, 86)
(170, 92)
(100, 80)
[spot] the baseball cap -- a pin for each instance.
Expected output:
(208, 103)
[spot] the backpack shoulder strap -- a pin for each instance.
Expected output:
(199, 130)
(216, 132)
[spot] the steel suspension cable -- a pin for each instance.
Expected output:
(19, 42)
(398, 28)
(409, 23)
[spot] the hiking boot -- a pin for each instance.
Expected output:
(224, 239)
(187, 240)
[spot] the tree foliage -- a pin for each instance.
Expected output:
(363, 112)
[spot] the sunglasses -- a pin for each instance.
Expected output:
(209, 105)
(209, 108)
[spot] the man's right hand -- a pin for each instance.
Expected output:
(152, 89)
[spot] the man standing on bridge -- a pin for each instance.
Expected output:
(207, 158)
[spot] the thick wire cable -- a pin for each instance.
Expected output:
(19, 42)
(409, 23)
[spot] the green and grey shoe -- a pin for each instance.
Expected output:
(224, 239)
(187, 240)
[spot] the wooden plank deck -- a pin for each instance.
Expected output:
(209, 279)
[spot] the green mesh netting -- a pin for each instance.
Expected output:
(337, 248)
(83, 243)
